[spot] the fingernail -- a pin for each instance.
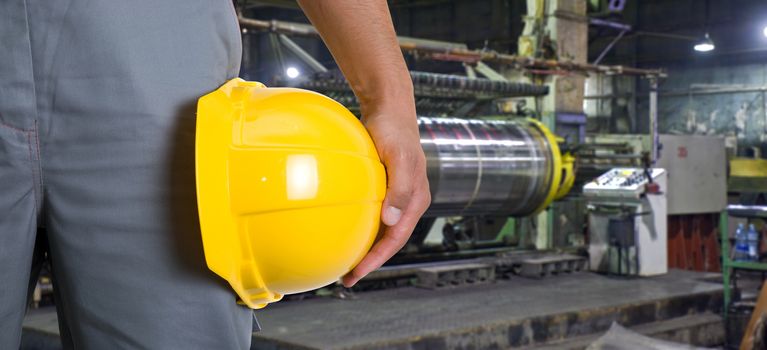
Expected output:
(392, 216)
(349, 282)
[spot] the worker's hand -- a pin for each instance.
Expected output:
(395, 133)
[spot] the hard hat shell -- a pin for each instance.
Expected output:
(289, 189)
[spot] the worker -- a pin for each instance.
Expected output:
(97, 102)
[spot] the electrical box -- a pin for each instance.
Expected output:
(627, 222)
(620, 183)
(697, 173)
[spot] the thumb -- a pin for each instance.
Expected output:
(396, 201)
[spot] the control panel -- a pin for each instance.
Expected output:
(621, 182)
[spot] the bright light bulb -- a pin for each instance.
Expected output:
(292, 72)
(704, 47)
(764, 31)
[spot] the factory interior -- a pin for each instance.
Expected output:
(597, 173)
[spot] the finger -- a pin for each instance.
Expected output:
(400, 174)
(393, 239)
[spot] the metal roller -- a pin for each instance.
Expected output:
(491, 167)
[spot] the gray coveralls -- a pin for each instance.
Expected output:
(97, 123)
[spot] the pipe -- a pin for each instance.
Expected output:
(302, 55)
(654, 121)
(609, 47)
(687, 92)
(609, 24)
(455, 83)
(457, 52)
(303, 29)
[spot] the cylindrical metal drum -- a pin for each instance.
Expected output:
(489, 167)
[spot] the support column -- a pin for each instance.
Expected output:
(564, 29)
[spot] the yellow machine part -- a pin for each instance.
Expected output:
(568, 176)
(748, 167)
(563, 175)
(289, 188)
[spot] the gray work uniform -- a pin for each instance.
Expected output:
(97, 124)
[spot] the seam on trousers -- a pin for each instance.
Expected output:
(37, 170)
(34, 152)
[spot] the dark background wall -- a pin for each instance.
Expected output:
(705, 93)
(734, 25)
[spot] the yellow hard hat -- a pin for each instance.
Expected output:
(289, 189)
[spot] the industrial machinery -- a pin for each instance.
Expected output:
(627, 221)
(476, 167)
(492, 167)
(436, 94)
(600, 153)
(483, 166)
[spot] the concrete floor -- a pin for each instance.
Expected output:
(507, 313)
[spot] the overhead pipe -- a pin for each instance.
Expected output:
(456, 83)
(457, 52)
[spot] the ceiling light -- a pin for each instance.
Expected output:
(764, 31)
(292, 72)
(705, 44)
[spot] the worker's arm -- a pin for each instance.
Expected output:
(361, 37)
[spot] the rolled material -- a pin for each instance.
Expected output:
(446, 84)
(477, 85)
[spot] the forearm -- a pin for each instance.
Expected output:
(362, 40)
